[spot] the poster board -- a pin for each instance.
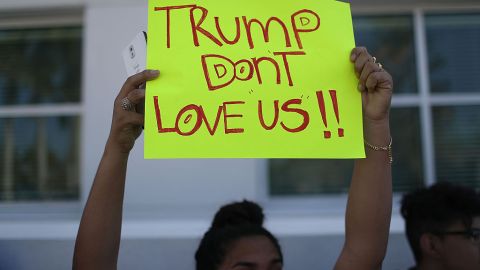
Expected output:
(253, 79)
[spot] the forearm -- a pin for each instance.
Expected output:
(370, 198)
(98, 237)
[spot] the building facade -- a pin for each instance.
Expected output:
(61, 68)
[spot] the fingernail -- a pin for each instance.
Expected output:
(154, 72)
(360, 87)
(353, 57)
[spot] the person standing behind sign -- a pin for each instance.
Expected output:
(369, 200)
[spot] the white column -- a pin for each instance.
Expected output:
(425, 101)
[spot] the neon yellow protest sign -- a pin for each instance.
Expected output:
(252, 79)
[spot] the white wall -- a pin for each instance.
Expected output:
(151, 183)
(300, 253)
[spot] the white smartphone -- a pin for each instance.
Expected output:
(135, 60)
(135, 54)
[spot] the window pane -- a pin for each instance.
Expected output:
(457, 144)
(315, 176)
(391, 40)
(39, 158)
(407, 170)
(309, 176)
(40, 66)
(454, 52)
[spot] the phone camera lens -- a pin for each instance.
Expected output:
(132, 52)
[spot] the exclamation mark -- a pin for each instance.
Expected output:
(321, 104)
(333, 96)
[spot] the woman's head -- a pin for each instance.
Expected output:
(238, 239)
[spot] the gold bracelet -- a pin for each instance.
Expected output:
(382, 148)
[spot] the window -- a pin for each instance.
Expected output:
(433, 121)
(40, 75)
(454, 71)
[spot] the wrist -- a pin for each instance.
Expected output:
(113, 148)
(380, 121)
(377, 132)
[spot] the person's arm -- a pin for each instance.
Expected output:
(98, 237)
(370, 197)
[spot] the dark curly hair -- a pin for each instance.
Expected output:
(232, 222)
(434, 209)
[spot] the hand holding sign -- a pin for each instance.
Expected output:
(375, 84)
(127, 124)
(258, 80)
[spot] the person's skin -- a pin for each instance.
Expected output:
(369, 200)
(369, 204)
(252, 253)
(450, 252)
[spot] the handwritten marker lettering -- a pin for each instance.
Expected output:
(252, 79)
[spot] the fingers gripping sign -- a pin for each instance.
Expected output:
(375, 84)
(127, 122)
(133, 99)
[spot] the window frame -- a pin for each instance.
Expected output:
(10, 210)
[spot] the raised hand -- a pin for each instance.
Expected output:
(126, 121)
(376, 86)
